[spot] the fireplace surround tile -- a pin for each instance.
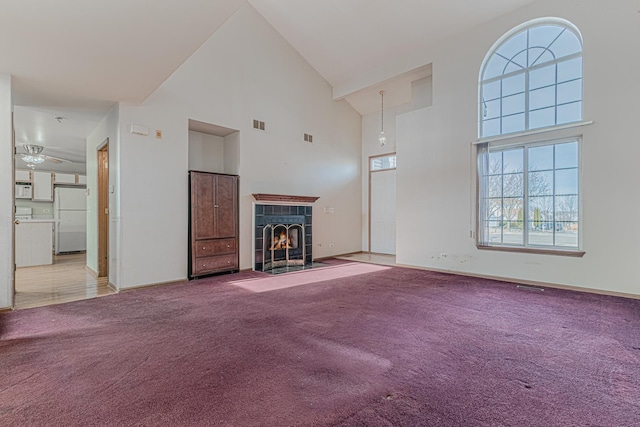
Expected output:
(285, 215)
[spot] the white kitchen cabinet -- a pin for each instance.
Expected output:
(23, 175)
(42, 186)
(34, 241)
(64, 178)
(82, 179)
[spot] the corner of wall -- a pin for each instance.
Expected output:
(6, 192)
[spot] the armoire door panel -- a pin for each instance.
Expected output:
(225, 206)
(204, 201)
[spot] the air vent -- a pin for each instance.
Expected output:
(257, 124)
(139, 130)
(530, 288)
(308, 137)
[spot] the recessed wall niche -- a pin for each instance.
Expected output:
(213, 148)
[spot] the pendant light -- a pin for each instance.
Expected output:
(382, 139)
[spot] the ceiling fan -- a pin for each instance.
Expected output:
(33, 156)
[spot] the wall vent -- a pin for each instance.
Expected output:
(139, 130)
(530, 288)
(257, 124)
(308, 137)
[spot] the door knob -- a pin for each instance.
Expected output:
(16, 222)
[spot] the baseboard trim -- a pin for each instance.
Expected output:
(152, 285)
(112, 287)
(528, 282)
(337, 256)
(91, 271)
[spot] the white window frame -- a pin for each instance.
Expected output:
(568, 26)
(483, 239)
(391, 160)
(527, 138)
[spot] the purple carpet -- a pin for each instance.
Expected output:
(352, 345)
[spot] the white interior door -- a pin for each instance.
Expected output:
(383, 212)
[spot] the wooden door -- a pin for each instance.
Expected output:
(103, 210)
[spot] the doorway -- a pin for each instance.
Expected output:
(64, 276)
(382, 204)
(103, 209)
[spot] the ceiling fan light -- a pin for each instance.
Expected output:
(32, 149)
(31, 158)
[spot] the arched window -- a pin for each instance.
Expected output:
(531, 79)
(529, 192)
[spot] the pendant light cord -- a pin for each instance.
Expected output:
(381, 111)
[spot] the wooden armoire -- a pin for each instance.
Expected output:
(213, 223)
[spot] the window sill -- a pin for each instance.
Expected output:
(540, 251)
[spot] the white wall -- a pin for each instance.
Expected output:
(6, 192)
(206, 152)
(436, 181)
(232, 153)
(107, 128)
(245, 71)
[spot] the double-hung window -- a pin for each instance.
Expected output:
(529, 189)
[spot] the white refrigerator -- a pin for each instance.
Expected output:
(70, 213)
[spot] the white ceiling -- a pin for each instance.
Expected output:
(342, 39)
(77, 58)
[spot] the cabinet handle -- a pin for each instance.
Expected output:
(228, 246)
(215, 206)
(204, 247)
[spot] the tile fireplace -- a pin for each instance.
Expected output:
(283, 231)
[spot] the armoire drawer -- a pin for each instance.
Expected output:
(213, 264)
(211, 247)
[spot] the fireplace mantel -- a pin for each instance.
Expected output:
(261, 197)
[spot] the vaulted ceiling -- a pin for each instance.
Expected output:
(75, 59)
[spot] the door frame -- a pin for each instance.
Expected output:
(393, 153)
(12, 303)
(103, 208)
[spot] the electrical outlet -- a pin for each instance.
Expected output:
(331, 245)
(44, 211)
